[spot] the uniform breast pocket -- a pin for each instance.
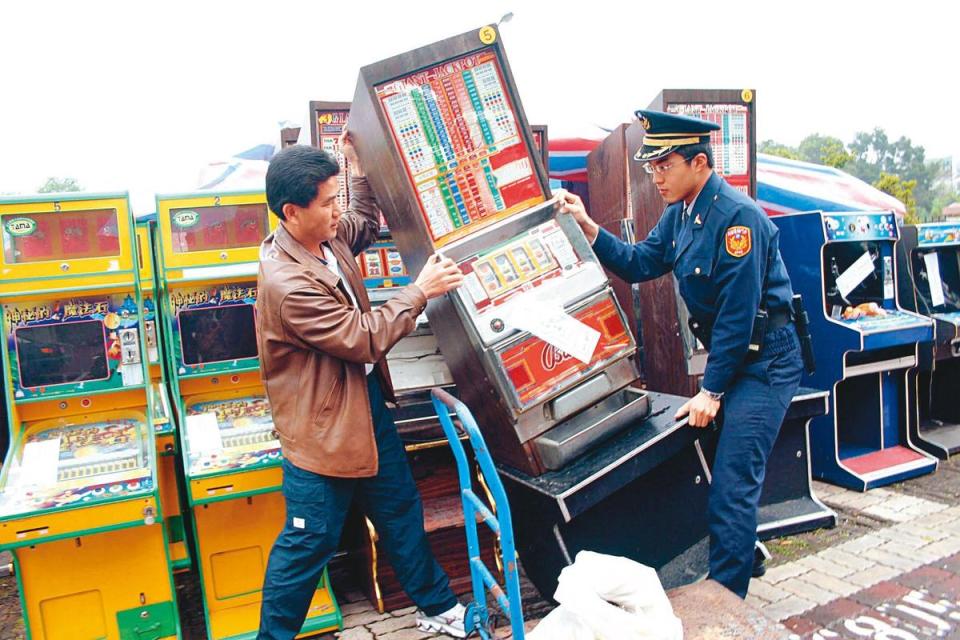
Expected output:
(696, 283)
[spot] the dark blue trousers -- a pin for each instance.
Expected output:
(316, 508)
(753, 410)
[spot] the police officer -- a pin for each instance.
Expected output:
(724, 252)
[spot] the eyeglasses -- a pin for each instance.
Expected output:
(661, 169)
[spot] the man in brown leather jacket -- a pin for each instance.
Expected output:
(320, 347)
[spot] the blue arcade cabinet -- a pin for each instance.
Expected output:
(928, 259)
(843, 264)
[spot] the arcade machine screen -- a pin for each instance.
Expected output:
(940, 272)
(60, 235)
(853, 278)
(217, 334)
(731, 144)
(218, 227)
(61, 353)
(860, 286)
(456, 129)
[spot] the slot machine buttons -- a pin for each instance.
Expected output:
(497, 325)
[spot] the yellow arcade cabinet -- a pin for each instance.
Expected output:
(209, 245)
(164, 420)
(79, 495)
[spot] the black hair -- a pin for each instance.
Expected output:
(295, 174)
(691, 151)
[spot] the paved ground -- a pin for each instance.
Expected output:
(889, 571)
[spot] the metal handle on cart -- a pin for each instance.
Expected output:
(501, 524)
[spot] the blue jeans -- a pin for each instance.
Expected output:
(316, 508)
(753, 410)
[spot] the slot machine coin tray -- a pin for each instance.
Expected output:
(570, 439)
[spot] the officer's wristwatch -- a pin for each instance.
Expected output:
(716, 397)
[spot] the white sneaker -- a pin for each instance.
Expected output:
(449, 622)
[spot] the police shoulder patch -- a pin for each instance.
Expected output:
(738, 241)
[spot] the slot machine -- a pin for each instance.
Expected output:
(208, 261)
(928, 263)
(843, 264)
(625, 202)
(164, 421)
(534, 338)
(80, 495)
(415, 366)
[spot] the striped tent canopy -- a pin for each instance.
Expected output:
(783, 185)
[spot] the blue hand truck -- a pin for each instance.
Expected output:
(477, 618)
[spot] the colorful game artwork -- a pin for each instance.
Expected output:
(73, 464)
(244, 435)
(456, 129)
(61, 347)
(330, 124)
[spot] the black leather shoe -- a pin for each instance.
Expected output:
(759, 564)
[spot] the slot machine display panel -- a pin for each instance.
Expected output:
(459, 173)
(327, 121)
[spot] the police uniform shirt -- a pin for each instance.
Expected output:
(719, 258)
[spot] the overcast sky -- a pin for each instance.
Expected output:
(126, 98)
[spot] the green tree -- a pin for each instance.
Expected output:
(60, 185)
(825, 150)
(774, 148)
(902, 190)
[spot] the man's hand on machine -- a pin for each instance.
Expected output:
(572, 204)
(701, 409)
(350, 154)
(438, 276)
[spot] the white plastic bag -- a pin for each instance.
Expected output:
(616, 598)
(561, 624)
